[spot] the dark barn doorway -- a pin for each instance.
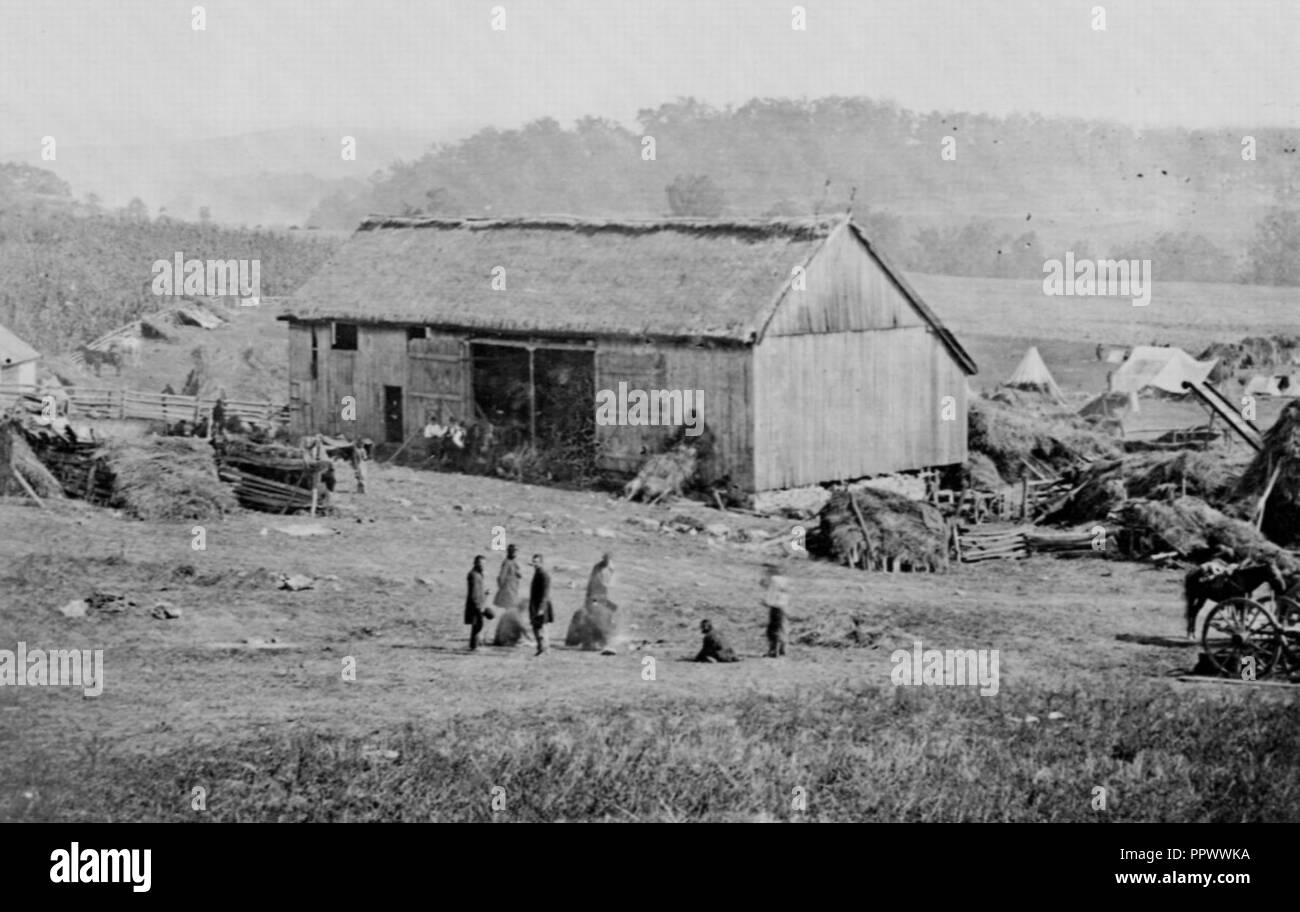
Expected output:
(393, 431)
(538, 395)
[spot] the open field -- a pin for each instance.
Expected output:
(1187, 314)
(275, 733)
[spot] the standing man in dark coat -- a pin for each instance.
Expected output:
(475, 601)
(540, 612)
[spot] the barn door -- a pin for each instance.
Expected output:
(624, 448)
(438, 380)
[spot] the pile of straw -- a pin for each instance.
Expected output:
(15, 453)
(597, 625)
(1007, 435)
(166, 478)
(1105, 486)
(663, 474)
(1278, 464)
(1196, 531)
(900, 534)
(983, 473)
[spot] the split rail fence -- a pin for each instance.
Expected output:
(103, 402)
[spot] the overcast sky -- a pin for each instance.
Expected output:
(91, 71)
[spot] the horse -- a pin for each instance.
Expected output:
(1215, 581)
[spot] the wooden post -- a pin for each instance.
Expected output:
(1024, 499)
(532, 398)
(315, 489)
(1263, 501)
(26, 487)
(862, 524)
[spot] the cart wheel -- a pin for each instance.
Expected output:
(1286, 612)
(1238, 629)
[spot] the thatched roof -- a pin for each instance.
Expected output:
(665, 278)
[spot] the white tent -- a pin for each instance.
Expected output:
(1152, 368)
(1112, 405)
(1275, 385)
(1032, 374)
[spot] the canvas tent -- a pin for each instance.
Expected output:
(1111, 405)
(1272, 385)
(1032, 374)
(1156, 370)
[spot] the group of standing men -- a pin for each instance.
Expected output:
(540, 610)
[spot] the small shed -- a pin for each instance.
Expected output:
(812, 357)
(17, 360)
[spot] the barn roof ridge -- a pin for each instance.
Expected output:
(806, 227)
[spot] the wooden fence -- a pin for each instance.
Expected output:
(981, 543)
(102, 402)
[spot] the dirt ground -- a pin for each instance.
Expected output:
(389, 590)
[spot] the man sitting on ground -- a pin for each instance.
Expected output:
(715, 648)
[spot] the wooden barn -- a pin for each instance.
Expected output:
(814, 358)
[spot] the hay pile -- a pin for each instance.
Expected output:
(597, 625)
(1006, 435)
(16, 454)
(166, 478)
(1281, 454)
(512, 626)
(1253, 353)
(663, 474)
(901, 534)
(1197, 531)
(983, 473)
(1105, 486)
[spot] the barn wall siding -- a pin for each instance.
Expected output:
(302, 389)
(722, 374)
(846, 290)
(846, 405)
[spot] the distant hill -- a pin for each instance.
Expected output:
(269, 178)
(73, 271)
(1019, 189)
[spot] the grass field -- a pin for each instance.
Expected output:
(277, 734)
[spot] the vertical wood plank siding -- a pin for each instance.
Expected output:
(849, 379)
(723, 374)
(844, 405)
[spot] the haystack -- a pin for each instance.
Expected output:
(1105, 486)
(1197, 531)
(1278, 465)
(597, 625)
(663, 474)
(512, 627)
(899, 533)
(15, 454)
(983, 473)
(1007, 435)
(166, 478)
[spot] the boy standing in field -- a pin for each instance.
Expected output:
(777, 600)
